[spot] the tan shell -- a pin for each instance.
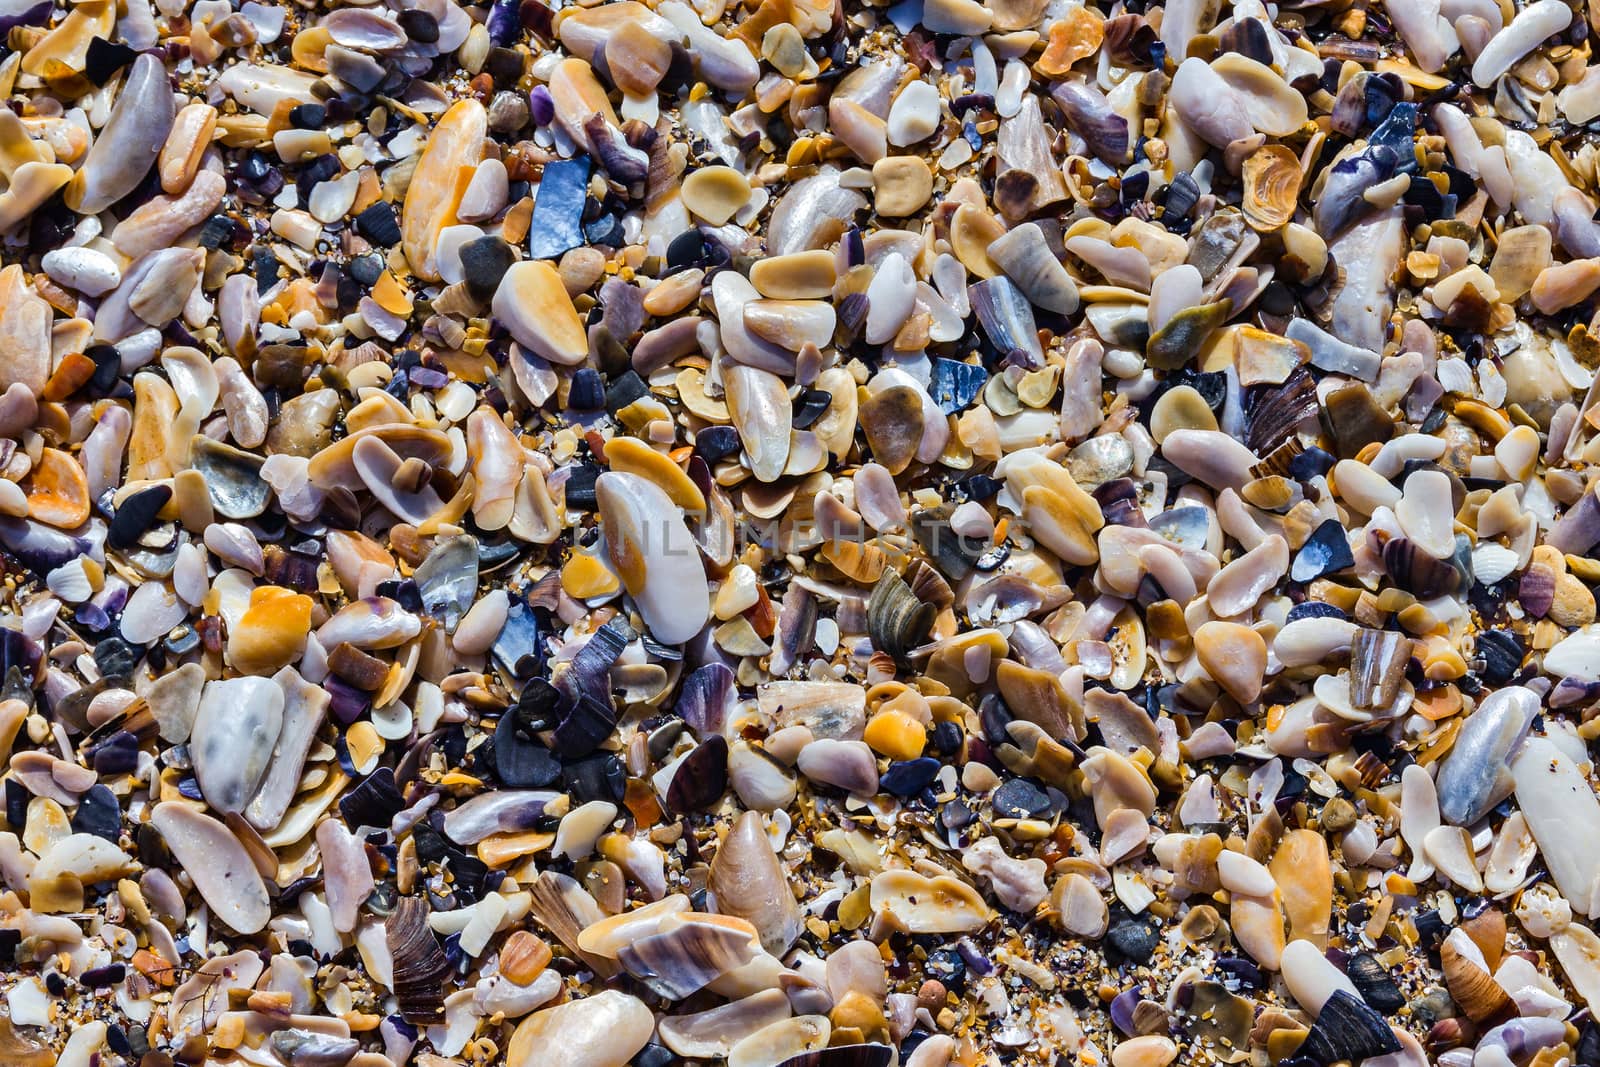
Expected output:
(1272, 179)
(441, 177)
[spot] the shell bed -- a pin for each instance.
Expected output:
(799, 533)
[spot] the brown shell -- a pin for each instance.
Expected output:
(1272, 179)
(1477, 994)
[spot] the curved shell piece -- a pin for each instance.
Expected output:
(440, 178)
(921, 905)
(222, 870)
(129, 142)
(654, 554)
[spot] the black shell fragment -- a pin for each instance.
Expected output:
(1347, 1029)
(1373, 982)
(1326, 551)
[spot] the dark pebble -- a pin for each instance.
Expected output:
(484, 261)
(599, 777)
(1315, 609)
(1373, 981)
(1502, 654)
(137, 514)
(217, 231)
(308, 117)
(715, 443)
(379, 225)
(101, 977)
(116, 658)
(946, 738)
(366, 269)
(953, 385)
(104, 58)
(520, 761)
(557, 222)
(654, 1055)
(374, 802)
(1310, 463)
(1133, 938)
(623, 391)
(419, 26)
(588, 392)
(811, 406)
(580, 487)
(907, 778)
(1020, 799)
(686, 250)
(98, 813)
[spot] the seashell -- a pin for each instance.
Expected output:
(688, 951)
(1090, 115)
(1522, 35)
(369, 623)
(812, 213)
(160, 221)
(714, 1033)
(1471, 987)
(221, 869)
(700, 778)
(1303, 872)
(1374, 983)
(419, 964)
(759, 406)
(849, 766)
(1560, 810)
(1370, 252)
(32, 184)
(748, 882)
(1079, 908)
(1271, 179)
(508, 811)
(233, 478)
(1233, 656)
(304, 708)
(651, 550)
(271, 632)
(1237, 587)
(826, 709)
(1416, 571)
(1208, 105)
(57, 491)
(1347, 1029)
(1115, 782)
(917, 904)
(455, 142)
(346, 875)
(1449, 850)
(1378, 660)
(1475, 776)
(781, 1041)
(235, 728)
(129, 142)
(532, 302)
(791, 323)
(24, 332)
(1510, 856)
(1028, 262)
(897, 621)
(1171, 347)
